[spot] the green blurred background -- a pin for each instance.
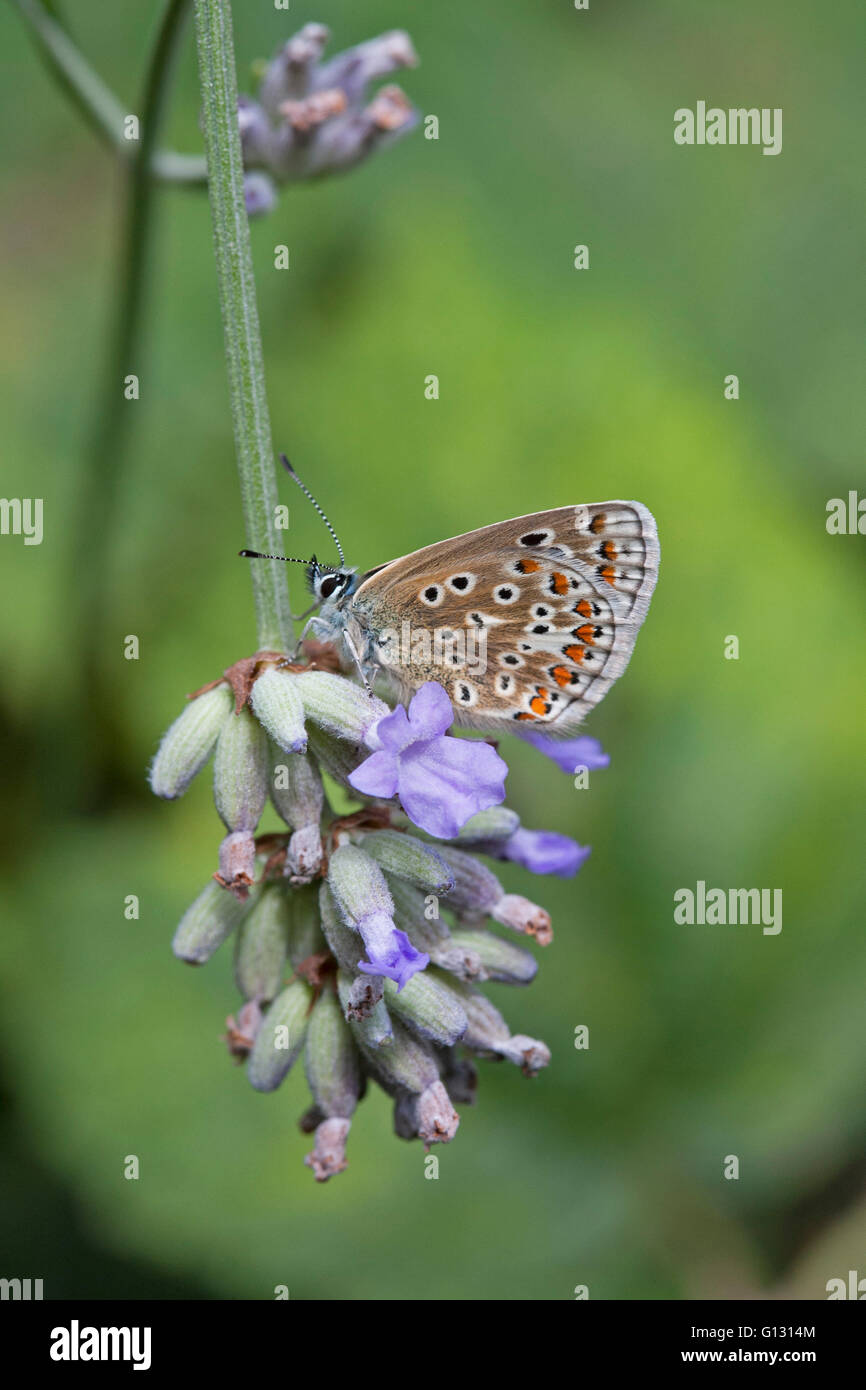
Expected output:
(455, 257)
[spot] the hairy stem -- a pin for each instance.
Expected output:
(237, 293)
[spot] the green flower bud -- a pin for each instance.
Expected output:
(500, 960)
(373, 1028)
(335, 755)
(346, 945)
(331, 1059)
(277, 704)
(338, 704)
(476, 888)
(358, 884)
(408, 1064)
(281, 1037)
(410, 915)
(188, 744)
(428, 1007)
(409, 858)
(487, 1032)
(305, 932)
(496, 823)
(296, 789)
(241, 772)
(262, 944)
(206, 924)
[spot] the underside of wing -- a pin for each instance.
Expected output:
(543, 612)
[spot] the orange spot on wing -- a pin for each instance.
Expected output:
(596, 524)
(575, 654)
(561, 674)
(538, 703)
(586, 633)
(608, 573)
(610, 550)
(559, 583)
(524, 715)
(583, 608)
(528, 566)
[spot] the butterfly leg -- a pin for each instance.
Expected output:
(356, 657)
(309, 626)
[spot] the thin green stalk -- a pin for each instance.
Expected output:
(237, 291)
(115, 416)
(97, 104)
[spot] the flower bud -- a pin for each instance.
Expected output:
(410, 859)
(241, 772)
(499, 960)
(496, 823)
(241, 1031)
(346, 945)
(281, 1037)
(329, 1152)
(277, 705)
(338, 757)
(408, 1064)
(296, 789)
(429, 1008)
(410, 915)
(289, 74)
(476, 888)
(373, 1028)
(487, 1032)
(458, 960)
(206, 924)
(331, 1059)
(521, 915)
(237, 863)
(305, 932)
(338, 705)
(358, 885)
(353, 70)
(430, 1116)
(188, 744)
(262, 945)
(435, 1116)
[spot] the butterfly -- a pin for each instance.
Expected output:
(524, 622)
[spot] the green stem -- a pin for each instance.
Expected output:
(237, 292)
(96, 102)
(98, 498)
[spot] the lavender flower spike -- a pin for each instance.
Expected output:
(440, 781)
(571, 753)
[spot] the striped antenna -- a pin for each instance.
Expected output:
(306, 491)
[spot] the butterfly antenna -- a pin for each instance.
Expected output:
(306, 491)
(258, 555)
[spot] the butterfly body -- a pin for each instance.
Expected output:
(527, 621)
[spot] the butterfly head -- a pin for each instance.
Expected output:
(330, 584)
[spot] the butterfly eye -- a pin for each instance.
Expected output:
(329, 585)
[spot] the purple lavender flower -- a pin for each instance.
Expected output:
(571, 753)
(391, 952)
(543, 852)
(312, 118)
(440, 781)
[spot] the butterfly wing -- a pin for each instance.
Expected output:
(548, 605)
